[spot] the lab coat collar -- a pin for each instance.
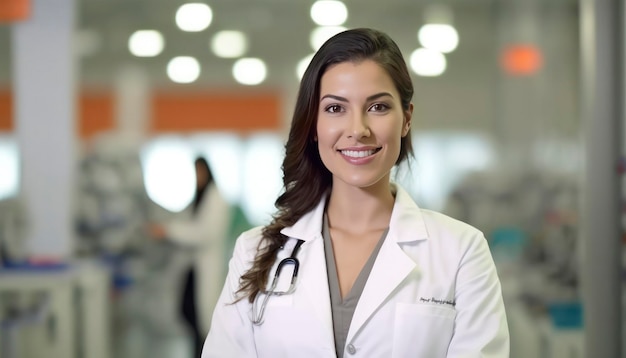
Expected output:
(406, 222)
(309, 226)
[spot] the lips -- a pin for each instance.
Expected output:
(359, 153)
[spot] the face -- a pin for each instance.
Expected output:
(360, 123)
(202, 176)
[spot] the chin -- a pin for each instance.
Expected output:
(362, 182)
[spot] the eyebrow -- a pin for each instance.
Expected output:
(370, 98)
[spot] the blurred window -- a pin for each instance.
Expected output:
(169, 173)
(262, 183)
(224, 151)
(9, 168)
(442, 159)
(247, 172)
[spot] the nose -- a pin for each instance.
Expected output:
(359, 126)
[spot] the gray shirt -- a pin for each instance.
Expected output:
(343, 309)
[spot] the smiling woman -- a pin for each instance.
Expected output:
(360, 124)
(369, 271)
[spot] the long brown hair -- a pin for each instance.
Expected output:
(305, 178)
(201, 165)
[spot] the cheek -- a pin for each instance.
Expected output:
(390, 132)
(327, 132)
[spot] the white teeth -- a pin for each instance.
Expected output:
(357, 153)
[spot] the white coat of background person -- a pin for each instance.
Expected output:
(202, 230)
(377, 275)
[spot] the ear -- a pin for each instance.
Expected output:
(408, 115)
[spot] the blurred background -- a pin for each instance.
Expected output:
(104, 105)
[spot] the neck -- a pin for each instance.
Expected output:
(360, 209)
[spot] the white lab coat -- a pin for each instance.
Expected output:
(205, 236)
(433, 292)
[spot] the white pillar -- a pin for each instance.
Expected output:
(602, 102)
(43, 82)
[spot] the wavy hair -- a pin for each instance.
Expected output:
(305, 178)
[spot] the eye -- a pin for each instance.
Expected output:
(379, 107)
(333, 108)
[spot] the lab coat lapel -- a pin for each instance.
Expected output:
(314, 285)
(392, 266)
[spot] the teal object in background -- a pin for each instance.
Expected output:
(566, 315)
(239, 223)
(508, 244)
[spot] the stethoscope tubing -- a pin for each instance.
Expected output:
(257, 319)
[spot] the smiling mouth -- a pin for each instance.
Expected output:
(359, 153)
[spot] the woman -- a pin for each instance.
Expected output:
(203, 230)
(377, 275)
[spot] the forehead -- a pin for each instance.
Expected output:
(356, 77)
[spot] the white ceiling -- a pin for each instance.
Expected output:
(279, 30)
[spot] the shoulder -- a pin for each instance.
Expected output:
(247, 243)
(441, 222)
(215, 195)
(451, 232)
(409, 222)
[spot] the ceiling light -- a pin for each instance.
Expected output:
(319, 35)
(427, 62)
(441, 37)
(329, 12)
(302, 65)
(249, 71)
(194, 17)
(183, 69)
(145, 43)
(229, 44)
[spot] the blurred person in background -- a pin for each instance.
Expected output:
(203, 231)
(350, 264)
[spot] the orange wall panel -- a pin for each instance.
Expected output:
(95, 114)
(6, 111)
(184, 112)
(172, 112)
(14, 10)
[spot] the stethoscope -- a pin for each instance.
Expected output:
(257, 318)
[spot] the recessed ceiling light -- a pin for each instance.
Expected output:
(194, 17)
(145, 43)
(249, 71)
(441, 37)
(183, 69)
(427, 62)
(329, 12)
(229, 44)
